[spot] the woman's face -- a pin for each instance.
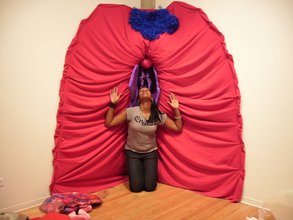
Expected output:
(144, 93)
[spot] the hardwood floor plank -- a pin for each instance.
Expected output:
(184, 207)
(170, 204)
(226, 211)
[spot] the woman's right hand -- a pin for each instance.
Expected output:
(114, 96)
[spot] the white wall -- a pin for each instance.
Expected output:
(259, 35)
(33, 42)
(34, 36)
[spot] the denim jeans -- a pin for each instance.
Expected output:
(142, 170)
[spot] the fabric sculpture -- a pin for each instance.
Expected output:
(193, 63)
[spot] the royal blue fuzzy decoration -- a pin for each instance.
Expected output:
(151, 24)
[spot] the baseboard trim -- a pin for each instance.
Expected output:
(252, 202)
(23, 206)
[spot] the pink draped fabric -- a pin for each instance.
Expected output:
(208, 156)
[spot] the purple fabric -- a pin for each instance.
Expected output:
(133, 85)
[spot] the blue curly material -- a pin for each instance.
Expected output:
(151, 24)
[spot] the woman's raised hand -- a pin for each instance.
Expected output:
(173, 101)
(114, 96)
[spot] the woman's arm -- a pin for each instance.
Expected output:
(175, 125)
(112, 120)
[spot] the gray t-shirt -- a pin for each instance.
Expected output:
(141, 134)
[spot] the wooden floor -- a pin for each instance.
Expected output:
(166, 203)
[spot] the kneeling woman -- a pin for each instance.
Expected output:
(141, 146)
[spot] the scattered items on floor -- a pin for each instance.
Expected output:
(53, 216)
(252, 218)
(68, 202)
(12, 216)
(281, 204)
(262, 214)
(80, 215)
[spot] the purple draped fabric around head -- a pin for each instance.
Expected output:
(141, 78)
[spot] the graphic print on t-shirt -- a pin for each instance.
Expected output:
(143, 122)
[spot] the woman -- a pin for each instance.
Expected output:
(141, 146)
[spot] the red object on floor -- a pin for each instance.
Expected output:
(193, 63)
(52, 216)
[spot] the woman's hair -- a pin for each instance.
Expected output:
(155, 113)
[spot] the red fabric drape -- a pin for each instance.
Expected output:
(208, 156)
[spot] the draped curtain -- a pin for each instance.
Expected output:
(193, 63)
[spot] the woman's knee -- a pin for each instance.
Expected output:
(150, 188)
(136, 184)
(135, 188)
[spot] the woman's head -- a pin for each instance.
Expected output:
(144, 93)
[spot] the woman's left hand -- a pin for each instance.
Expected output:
(173, 101)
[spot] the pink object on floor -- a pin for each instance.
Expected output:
(52, 216)
(71, 201)
(82, 215)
